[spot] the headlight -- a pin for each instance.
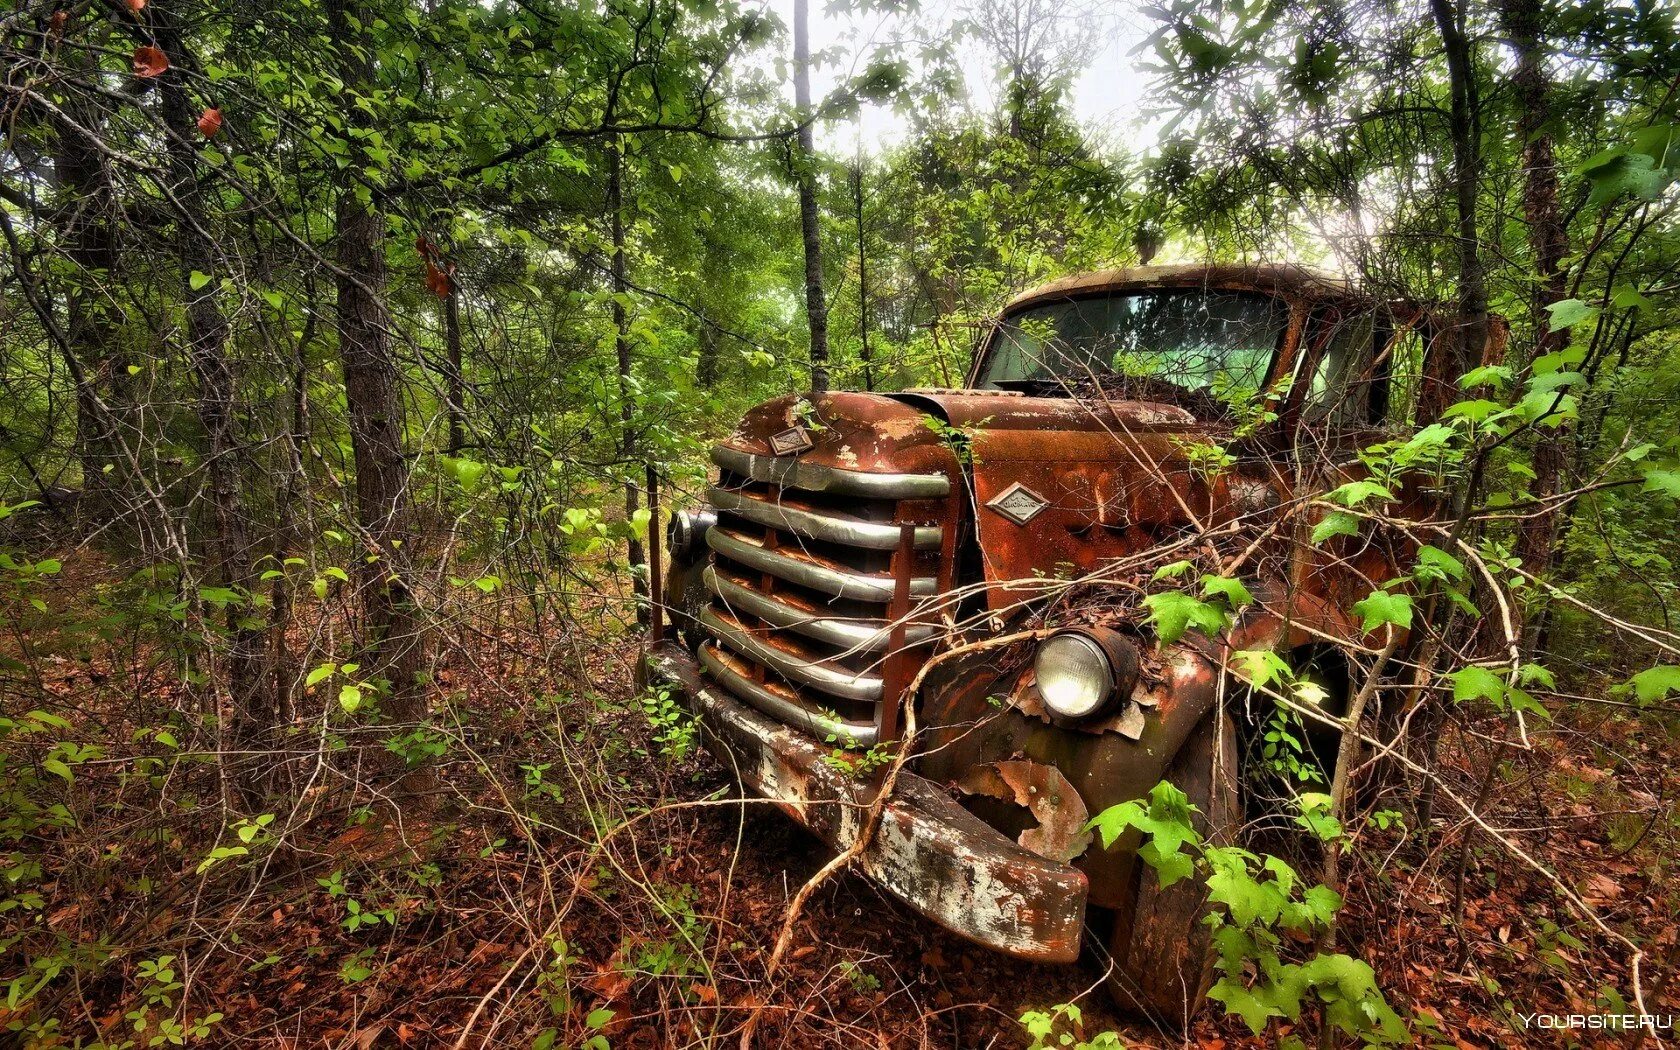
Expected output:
(687, 532)
(1080, 672)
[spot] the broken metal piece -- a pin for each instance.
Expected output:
(1043, 790)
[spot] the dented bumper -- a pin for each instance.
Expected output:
(929, 852)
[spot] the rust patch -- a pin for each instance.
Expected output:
(1043, 790)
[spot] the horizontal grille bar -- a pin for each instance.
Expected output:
(809, 574)
(830, 680)
(815, 477)
(812, 525)
(780, 707)
(858, 634)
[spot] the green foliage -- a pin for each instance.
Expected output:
(674, 729)
(1260, 905)
(1062, 1027)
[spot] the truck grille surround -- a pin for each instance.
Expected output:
(813, 586)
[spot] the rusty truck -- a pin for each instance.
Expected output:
(865, 560)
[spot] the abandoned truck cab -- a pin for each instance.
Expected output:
(868, 564)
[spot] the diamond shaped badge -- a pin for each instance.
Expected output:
(788, 442)
(1018, 503)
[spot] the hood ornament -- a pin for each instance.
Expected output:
(791, 442)
(1018, 503)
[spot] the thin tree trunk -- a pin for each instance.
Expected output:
(816, 304)
(392, 626)
(626, 394)
(863, 279)
(1460, 348)
(286, 537)
(457, 378)
(1549, 241)
(253, 711)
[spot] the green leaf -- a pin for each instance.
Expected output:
(1174, 612)
(1261, 667)
(1115, 821)
(320, 674)
(198, 280)
(1316, 818)
(1567, 313)
(599, 1017)
(1528, 674)
(1476, 411)
(1335, 523)
(1634, 174)
(1322, 903)
(1666, 482)
(1170, 867)
(1436, 564)
(1494, 375)
(1384, 607)
(1630, 298)
(1652, 684)
(1477, 683)
(1232, 590)
(350, 698)
(1172, 570)
(1355, 493)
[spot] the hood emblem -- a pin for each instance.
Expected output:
(791, 442)
(1018, 503)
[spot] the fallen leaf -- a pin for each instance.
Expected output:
(149, 61)
(210, 122)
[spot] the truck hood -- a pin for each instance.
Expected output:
(1053, 486)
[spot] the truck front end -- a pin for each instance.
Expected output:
(866, 560)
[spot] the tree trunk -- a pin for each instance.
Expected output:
(90, 240)
(816, 304)
(457, 378)
(252, 708)
(1549, 241)
(863, 280)
(393, 629)
(626, 393)
(1460, 348)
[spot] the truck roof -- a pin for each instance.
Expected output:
(1285, 279)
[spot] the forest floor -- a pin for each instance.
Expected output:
(582, 871)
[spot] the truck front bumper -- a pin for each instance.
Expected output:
(929, 852)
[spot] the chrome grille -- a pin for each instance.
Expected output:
(802, 588)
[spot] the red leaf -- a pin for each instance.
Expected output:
(136, 5)
(437, 282)
(149, 61)
(210, 122)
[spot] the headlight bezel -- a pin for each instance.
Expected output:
(1110, 663)
(685, 535)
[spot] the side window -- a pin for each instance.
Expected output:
(1400, 360)
(1339, 390)
(1367, 372)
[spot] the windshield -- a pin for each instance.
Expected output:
(1156, 343)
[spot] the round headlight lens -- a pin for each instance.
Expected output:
(1075, 677)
